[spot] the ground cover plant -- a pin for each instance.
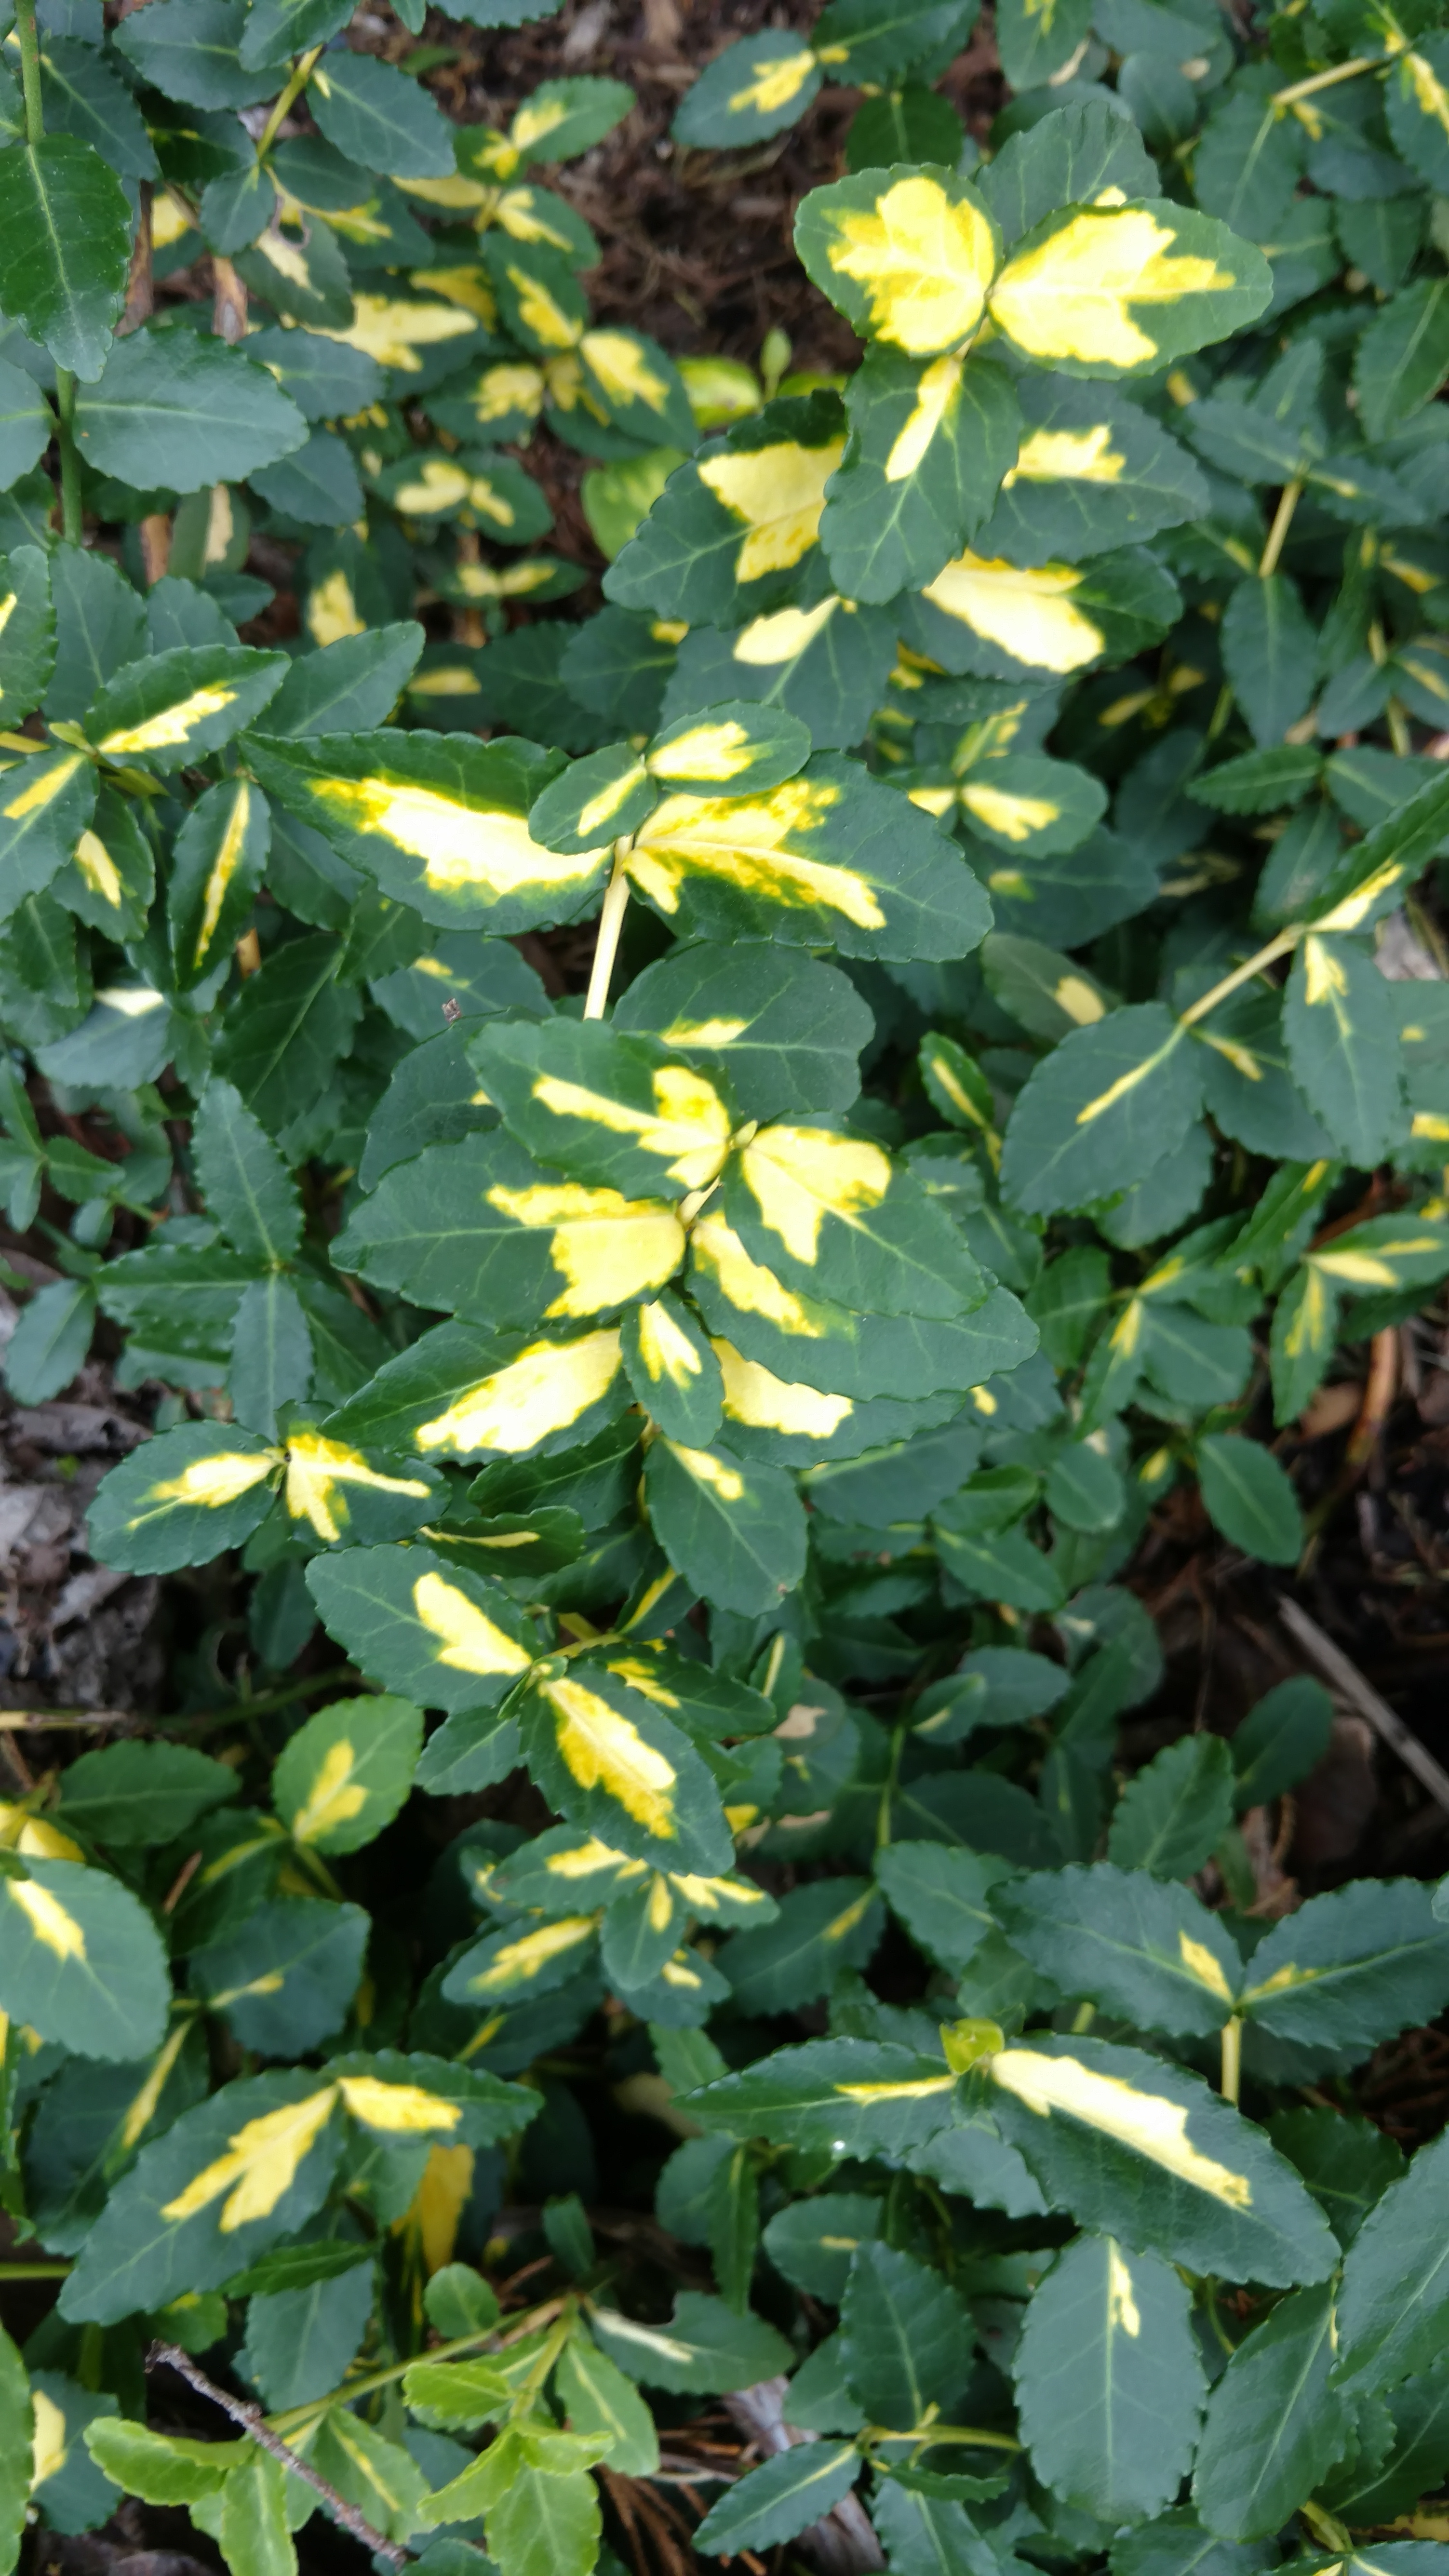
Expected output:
(690, 1143)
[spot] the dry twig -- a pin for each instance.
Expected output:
(254, 2422)
(1345, 1677)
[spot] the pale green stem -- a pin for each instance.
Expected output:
(1232, 2076)
(929, 2433)
(1281, 946)
(606, 947)
(70, 495)
(297, 2418)
(1326, 2528)
(1326, 80)
(29, 70)
(883, 1818)
(72, 525)
(293, 91)
(1289, 499)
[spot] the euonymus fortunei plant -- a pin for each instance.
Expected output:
(707, 1409)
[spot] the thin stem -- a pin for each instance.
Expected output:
(606, 947)
(30, 1721)
(1326, 2528)
(930, 2433)
(1326, 80)
(1219, 716)
(296, 2417)
(1232, 2075)
(543, 2363)
(888, 1791)
(1289, 498)
(70, 493)
(1210, 2299)
(30, 70)
(264, 1702)
(252, 2421)
(1281, 946)
(40, 1721)
(1398, 724)
(301, 74)
(34, 2272)
(71, 523)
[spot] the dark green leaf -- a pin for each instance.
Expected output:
(81, 1960)
(1274, 2424)
(784, 2497)
(1108, 2380)
(64, 248)
(907, 2338)
(1250, 1497)
(1106, 1105)
(182, 410)
(1280, 1740)
(704, 2345)
(1174, 1814)
(1143, 1950)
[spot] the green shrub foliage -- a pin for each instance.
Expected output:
(1035, 728)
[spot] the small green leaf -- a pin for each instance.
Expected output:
(1351, 1968)
(813, 2241)
(846, 2096)
(1250, 1498)
(1145, 1951)
(1173, 1815)
(817, 1932)
(704, 2345)
(1268, 654)
(27, 636)
(1274, 2424)
(785, 2496)
(1280, 1741)
(375, 116)
(252, 2534)
(599, 2400)
(284, 1979)
(65, 227)
(907, 2338)
(1395, 2294)
(1403, 356)
(1106, 1105)
(248, 1188)
(942, 1896)
(160, 2468)
(17, 2434)
(126, 1795)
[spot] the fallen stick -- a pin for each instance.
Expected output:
(1348, 1681)
(252, 2421)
